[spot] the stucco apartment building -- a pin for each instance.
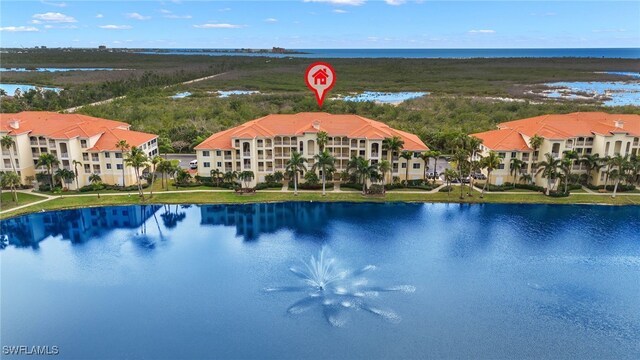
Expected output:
(265, 145)
(89, 140)
(584, 132)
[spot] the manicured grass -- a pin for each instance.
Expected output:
(230, 197)
(6, 201)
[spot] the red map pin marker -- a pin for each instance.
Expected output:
(320, 78)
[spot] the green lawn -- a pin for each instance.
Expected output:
(6, 201)
(230, 197)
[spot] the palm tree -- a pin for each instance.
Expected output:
(229, 176)
(322, 138)
(75, 171)
(363, 170)
(567, 163)
(526, 178)
(296, 165)
(436, 155)
(12, 181)
(449, 175)
(65, 175)
(490, 162)
(515, 165)
(155, 161)
(607, 161)
(392, 145)
(324, 162)
(123, 146)
(164, 168)
(246, 176)
(621, 163)
(425, 156)
(549, 169)
(384, 167)
(95, 180)
(137, 159)
(593, 163)
(460, 157)
(474, 167)
(278, 176)
(536, 142)
(215, 174)
(407, 155)
(7, 142)
(48, 160)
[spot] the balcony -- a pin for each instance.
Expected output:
(246, 154)
(64, 155)
(260, 156)
(375, 154)
(227, 157)
(33, 142)
(555, 155)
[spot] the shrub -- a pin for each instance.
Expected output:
(351, 185)
(446, 189)
(557, 194)
(375, 189)
(311, 178)
(621, 187)
(308, 186)
(268, 185)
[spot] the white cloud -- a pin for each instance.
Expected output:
(271, 20)
(19, 28)
(35, 22)
(340, 11)
(115, 27)
(174, 16)
(482, 31)
(218, 26)
(339, 2)
(54, 17)
(137, 16)
(165, 11)
(395, 2)
(99, 16)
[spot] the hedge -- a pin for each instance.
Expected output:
(307, 186)
(267, 185)
(621, 187)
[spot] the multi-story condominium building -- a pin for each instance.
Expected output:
(265, 145)
(89, 141)
(584, 132)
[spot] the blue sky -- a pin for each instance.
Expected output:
(320, 24)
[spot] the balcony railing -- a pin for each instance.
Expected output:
(227, 157)
(34, 142)
(64, 155)
(374, 154)
(246, 153)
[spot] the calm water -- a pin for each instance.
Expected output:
(11, 88)
(383, 97)
(617, 93)
(628, 53)
(49, 69)
(397, 281)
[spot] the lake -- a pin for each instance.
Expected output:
(50, 69)
(325, 280)
(610, 93)
(382, 97)
(11, 88)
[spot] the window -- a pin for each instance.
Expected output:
(107, 154)
(219, 164)
(206, 164)
(119, 166)
(416, 166)
(205, 153)
(404, 165)
(502, 155)
(83, 144)
(218, 153)
(118, 155)
(87, 168)
(108, 166)
(96, 169)
(501, 166)
(513, 154)
(85, 156)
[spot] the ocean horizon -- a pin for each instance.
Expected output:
(609, 53)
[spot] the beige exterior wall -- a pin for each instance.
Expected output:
(28, 149)
(595, 144)
(265, 156)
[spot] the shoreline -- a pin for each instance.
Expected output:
(55, 203)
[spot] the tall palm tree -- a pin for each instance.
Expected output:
(549, 169)
(460, 157)
(363, 170)
(436, 155)
(75, 170)
(449, 175)
(229, 176)
(490, 162)
(95, 180)
(324, 162)
(621, 163)
(7, 142)
(384, 167)
(567, 164)
(215, 174)
(592, 163)
(296, 165)
(66, 176)
(48, 161)
(245, 177)
(392, 145)
(123, 146)
(607, 162)
(475, 167)
(406, 155)
(425, 156)
(12, 181)
(164, 168)
(154, 162)
(137, 159)
(322, 138)
(536, 142)
(526, 178)
(515, 166)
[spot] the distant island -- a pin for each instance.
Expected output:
(274, 50)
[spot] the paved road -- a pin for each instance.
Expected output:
(184, 159)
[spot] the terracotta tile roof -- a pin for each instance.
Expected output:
(68, 126)
(351, 126)
(561, 126)
(56, 125)
(109, 138)
(503, 140)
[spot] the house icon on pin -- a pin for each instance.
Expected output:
(320, 77)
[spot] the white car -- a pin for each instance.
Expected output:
(193, 164)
